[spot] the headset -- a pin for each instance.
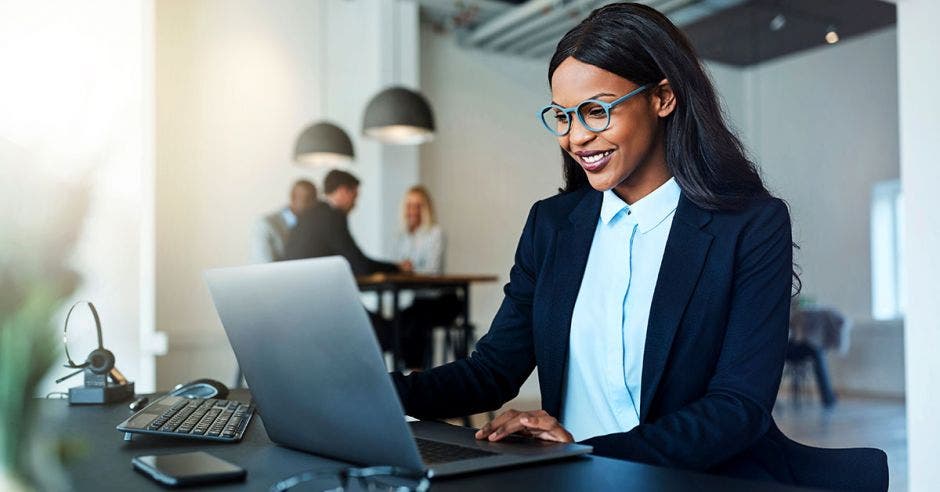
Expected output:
(100, 361)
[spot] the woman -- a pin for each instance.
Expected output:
(421, 246)
(421, 241)
(653, 293)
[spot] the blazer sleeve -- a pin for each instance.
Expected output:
(342, 242)
(736, 410)
(501, 361)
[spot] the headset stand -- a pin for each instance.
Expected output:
(98, 389)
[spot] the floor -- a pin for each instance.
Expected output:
(854, 421)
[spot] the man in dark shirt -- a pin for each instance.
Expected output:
(323, 230)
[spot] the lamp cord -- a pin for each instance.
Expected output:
(324, 52)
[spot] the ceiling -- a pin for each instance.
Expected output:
(736, 32)
(742, 35)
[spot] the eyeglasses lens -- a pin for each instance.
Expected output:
(555, 120)
(595, 117)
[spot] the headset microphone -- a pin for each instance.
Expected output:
(103, 382)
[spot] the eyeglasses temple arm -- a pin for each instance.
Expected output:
(629, 95)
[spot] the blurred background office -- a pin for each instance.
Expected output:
(182, 121)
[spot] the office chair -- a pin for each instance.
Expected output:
(801, 359)
(857, 469)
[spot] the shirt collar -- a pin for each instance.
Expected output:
(649, 211)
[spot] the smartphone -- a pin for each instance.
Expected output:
(182, 469)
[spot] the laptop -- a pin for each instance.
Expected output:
(318, 378)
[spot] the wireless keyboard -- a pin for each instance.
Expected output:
(207, 419)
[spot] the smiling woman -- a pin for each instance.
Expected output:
(653, 292)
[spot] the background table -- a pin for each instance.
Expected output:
(395, 283)
(107, 466)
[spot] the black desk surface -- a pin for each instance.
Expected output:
(107, 466)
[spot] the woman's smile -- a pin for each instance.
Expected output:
(593, 161)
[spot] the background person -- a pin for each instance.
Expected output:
(421, 244)
(421, 240)
(269, 235)
(323, 230)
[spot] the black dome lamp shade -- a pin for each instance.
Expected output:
(323, 143)
(399, 116)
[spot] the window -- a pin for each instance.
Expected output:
(887, 295)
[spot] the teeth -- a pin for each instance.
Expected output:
(591, 159)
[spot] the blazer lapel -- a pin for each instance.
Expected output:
(573, 245)
(683, 259)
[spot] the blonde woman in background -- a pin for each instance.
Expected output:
(421, 245)
(421, 241)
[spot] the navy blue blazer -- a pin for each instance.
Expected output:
(714, 349)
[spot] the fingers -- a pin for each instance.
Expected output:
(512, 426)
(538, 424)
(490, 426)
(546, 427)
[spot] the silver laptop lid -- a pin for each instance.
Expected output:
(310, 356)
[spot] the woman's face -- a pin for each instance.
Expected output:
(630, 150)
(413, 206)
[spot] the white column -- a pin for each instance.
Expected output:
(373, 44)
(919, 99)
(399, 28)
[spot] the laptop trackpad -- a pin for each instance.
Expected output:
(463, 436)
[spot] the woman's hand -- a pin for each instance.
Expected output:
(538, 424)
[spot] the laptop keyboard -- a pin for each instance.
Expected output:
(207, 419)
(439, 452)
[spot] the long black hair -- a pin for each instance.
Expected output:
(640, 44)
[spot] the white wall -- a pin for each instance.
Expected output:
(826, 131)
(919, 75)
(76, 112)
(821, 124)
(236, 83)
(489, 162)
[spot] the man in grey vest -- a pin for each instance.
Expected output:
(270, 233)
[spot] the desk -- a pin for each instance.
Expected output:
(108, 464)
(394, 283)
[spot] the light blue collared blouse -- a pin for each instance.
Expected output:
(608, 326)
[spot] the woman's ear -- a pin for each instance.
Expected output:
(665, 98)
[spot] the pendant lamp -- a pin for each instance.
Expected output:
(323, 143)
(399, 116)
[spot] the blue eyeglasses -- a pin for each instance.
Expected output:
(592, 113)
